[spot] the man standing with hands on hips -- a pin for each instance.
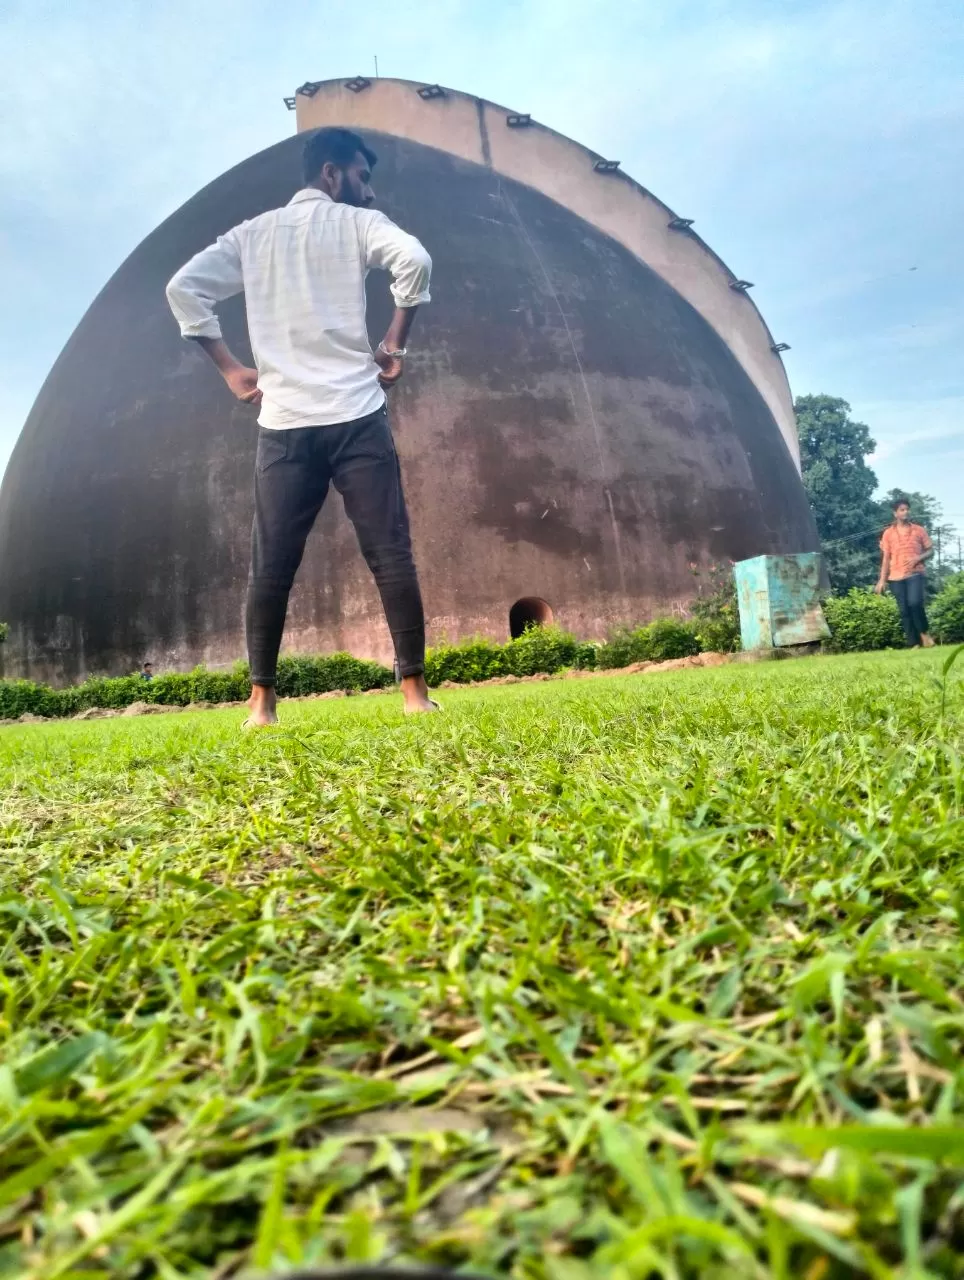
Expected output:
(323, 416)
(905, 548)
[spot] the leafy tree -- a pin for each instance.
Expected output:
(840, 486)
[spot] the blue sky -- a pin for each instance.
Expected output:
(819, 146)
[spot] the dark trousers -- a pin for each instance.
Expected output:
(293, 472)
(909, 594)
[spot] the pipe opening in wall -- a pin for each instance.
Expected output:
(530, 611)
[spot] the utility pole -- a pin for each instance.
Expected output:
(938, 556)
(960, 564)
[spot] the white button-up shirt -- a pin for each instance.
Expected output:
(302, 269)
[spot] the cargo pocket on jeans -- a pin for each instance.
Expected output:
(272, 448)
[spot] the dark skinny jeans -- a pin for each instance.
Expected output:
(292, 476)
(909, 594)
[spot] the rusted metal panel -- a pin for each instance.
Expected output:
(779, 599)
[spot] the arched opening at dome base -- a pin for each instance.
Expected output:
(530, 611)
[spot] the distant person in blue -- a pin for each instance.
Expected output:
(147, 671)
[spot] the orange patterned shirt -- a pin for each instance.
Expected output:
(905, 544)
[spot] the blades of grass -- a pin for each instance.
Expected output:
(272, 1214)
(946, 666)
(122, 1218)
(941, 1143)
(57, 1063)
(84, 1143)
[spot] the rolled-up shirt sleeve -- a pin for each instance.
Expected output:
(390, 247)
(211, 276)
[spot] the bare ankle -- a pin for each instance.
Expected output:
(416, 696)
(263, 706)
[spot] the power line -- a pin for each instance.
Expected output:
(876, 532)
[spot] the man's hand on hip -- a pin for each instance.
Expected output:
(244, 384)
(242, 380)
(390, 367)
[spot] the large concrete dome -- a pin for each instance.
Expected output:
(591, 408)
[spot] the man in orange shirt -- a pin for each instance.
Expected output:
(905, 548)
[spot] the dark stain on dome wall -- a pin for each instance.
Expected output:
(570, 429)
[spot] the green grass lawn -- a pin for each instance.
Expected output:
(646, 976)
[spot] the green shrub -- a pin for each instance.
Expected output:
(624, 646)
(541, 649)
(946, 611)
(472, 660)
(296, 676)
(670, 638)
(537, 650)
(718, 635)
(861, 621)
(113, 693)
(201, 685)
(4, 629)
(20, 697)
(716, 611)
(658, 642)
(587, 656)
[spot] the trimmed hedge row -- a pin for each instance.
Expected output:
(859, 621)
(548, 650)
(540, 650)
(296, 676)
(862, 621)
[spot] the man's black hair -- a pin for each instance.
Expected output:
(339, 146)
(899, 501)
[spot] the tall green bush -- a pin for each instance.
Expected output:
(537, 650)
(862, 621)
(946, 611)
(23, 697)
(541, 649)
(669, 638)
(624, 646)
(298, 676)
(715, 611)
(477, 659)
(658, 642)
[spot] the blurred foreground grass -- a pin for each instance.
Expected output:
(654, 976)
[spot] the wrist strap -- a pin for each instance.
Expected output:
(385, 351)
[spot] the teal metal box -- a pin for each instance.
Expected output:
(779, 599)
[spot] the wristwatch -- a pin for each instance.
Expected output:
(392, 354)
